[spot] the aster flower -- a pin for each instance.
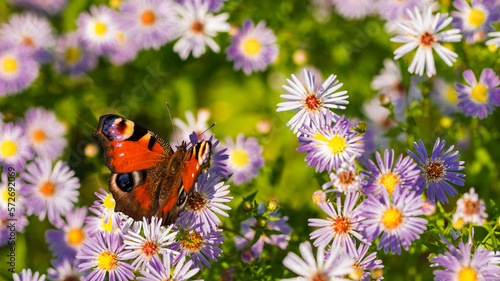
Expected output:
(444, 95)
(389, 174)
(200, 246)
(51, 7)
(380, 117)
(311, 102)
(245, 158)
(395, 217)
(196, 124)
(104, 206)
(18, 69)
(162, 270)
(20, 224)
(66, 242)
(328, 146)
(14, 194)
(363, 263)
(205, 201)
(51, 191)
(253, 47)
(27, 275)
(213, 5)
(333, 268)
(45, 132)
(30, 31)
(470, 209)
(395, 9)
(354, 9)
(151, 244)
(196, 27)
(125, 50)
(150, 23)
(341, 225)
(104, 255)
(424, 30)
(461, 264)
(479, 98)
(104, 220)
(64, 270)
(248, 230)
(97, 29)
(219, 157)
(438, 170)
(475, 19)
(346, 179)
(390, 83)
(14, 146)
(71, 57)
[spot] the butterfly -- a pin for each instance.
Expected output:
(147, 177)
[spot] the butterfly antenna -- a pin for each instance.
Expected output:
(172, 122)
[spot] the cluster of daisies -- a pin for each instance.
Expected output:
(382, 203)
(119, 32)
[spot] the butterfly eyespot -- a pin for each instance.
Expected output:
(125, 181)
(182, 197)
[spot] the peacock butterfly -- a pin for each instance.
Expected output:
(147, 177)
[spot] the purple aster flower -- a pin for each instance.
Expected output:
(354, 9)
(336, 266)
(104, 220)
(52, 191)
(30, 31)
(45, 132)
(66, 242)
(125, 50)
(149, 23)
(395, 9)
(470, 209)
(6, 227)
(18, 69)
(475, 19)
(341, 225)
(71, 57)
(15, 149)
(424, 31)
(213, 5)
(328, 146)
(104, 255)
(196, 26)
(155, 240)
(479, 98)
(200, 246)
(26, 275)
(15, 193)
(64, 270)
(363, 264)
(345, 179)
(161, 270)
(395, 216)
(253, 47)
(218, 158)
(438, 170)
(311, 102)
(277, 224)
(97, 29)
(245, 158)
(461, 264)
(51, 7)
(389, 174)
(207, 198)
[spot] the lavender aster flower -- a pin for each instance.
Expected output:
(71, 57)
(438, 170)
(346, 179)
(45, 132)
(470, 209)
(424, 30)
(363, 263)
(14, 146)
(334, 268)
(395, 9)
(245, 158)
(5, 231)
(395, 217)
(479, 98)
(104, 220)
(161, 270)
(311, 102)
(206, 199)
(64, 270)
(125, 50)
(253, 47)
(26, 275)
(475, 19)
(341, 224)
(104, 255)
(18, 69)
(328, 146)
(51, 7)
(354, 9)
(200, 246)
(97, 29)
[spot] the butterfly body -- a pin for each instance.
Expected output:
(147, 177)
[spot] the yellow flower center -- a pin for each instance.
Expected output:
(38, 136)
(467, 274)
(47, 189)
(109, 203)
(76, 236)
(479, 93)
(115, 4)
(6, 196)
(100, 28)
(72, 54)
(8, 148)
(107, 261)
(476, 17)
(239, 157)
(389, 181)
(357, 273)
(451, 95)
(148, 17)
(251, 46)
(195, 243)
(106, 226)
(392, 218)
(9, 65)
(458, 224)
(337, 144)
